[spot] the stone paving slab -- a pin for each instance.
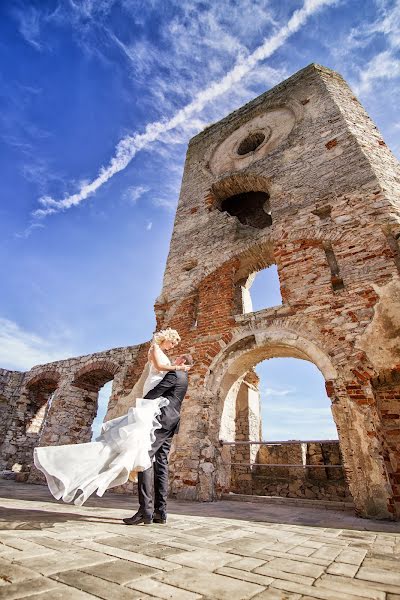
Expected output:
(97, 587)
(53, 551)
(26, 587)
(120, 571)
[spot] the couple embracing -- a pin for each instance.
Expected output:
(137, 443)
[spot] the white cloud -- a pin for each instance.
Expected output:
(128, 147)
(388, 23)
(29, 25)
(28, 230)
(384, 32)
(302, 412)
(149, 225)
(278, 392)
(384, 65)
(21, 350)
(133, 193)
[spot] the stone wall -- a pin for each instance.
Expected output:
(57, 403)
(10, 385)
(331, 188)
(292, 482)
(247, 428)
(299, 177)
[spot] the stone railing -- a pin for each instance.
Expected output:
(293, 469)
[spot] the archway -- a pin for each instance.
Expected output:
(242, 464)
(284, 441)
(75, 404)
(74, 407)
(35, 402)
(358, 437)
(86, 387)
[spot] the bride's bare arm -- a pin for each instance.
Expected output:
(157, 358)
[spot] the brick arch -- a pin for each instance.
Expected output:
(249, 348)
(231, 185)
(233, 364)
(254, 259)
(48, 375)
(254, 256)
(94, 375)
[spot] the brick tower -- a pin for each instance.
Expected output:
(301, 178)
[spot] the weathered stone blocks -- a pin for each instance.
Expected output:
(333, 228)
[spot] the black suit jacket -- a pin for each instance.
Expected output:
(173, 387)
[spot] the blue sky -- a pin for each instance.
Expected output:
(98, 101)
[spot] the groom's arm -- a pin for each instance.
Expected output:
(165, 384)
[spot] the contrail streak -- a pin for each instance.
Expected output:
(128, 147)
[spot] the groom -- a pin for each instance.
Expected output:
(173, 387)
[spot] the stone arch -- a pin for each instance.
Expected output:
(234, 185)
(95, 374)
(355, 421)
(30, 415)
(251, 347)
(231, 366)
(40, 390)
(45, 375)
(76, 403)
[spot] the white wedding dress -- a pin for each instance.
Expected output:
(123, 446)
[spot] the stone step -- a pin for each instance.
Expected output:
(333, 505)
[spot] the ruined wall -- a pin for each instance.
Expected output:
(292, 482)
(331, 217)
(301, 178)
(57, 403)
(10, 383)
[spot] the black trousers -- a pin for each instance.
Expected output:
(156, 477)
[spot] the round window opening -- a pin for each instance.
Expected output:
(250, 143)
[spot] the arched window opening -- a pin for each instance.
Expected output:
(41, 394)
(258, 291)
(282, 404)
(265, 289)
(95, 381)
(102, 406)
(250, 208)
(251, 143)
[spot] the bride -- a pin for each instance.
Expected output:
(123, 445)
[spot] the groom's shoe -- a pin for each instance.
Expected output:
(137, 519)
(160, 518)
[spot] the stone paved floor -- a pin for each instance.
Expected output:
(223, 551)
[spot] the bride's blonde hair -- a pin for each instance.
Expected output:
(169, 334)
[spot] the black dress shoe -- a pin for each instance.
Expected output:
(160, 518)
(137, 519)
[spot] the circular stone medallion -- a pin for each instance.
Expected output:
(253, 140)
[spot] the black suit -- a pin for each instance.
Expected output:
(173, 387)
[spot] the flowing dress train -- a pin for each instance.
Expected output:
(123, 446)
